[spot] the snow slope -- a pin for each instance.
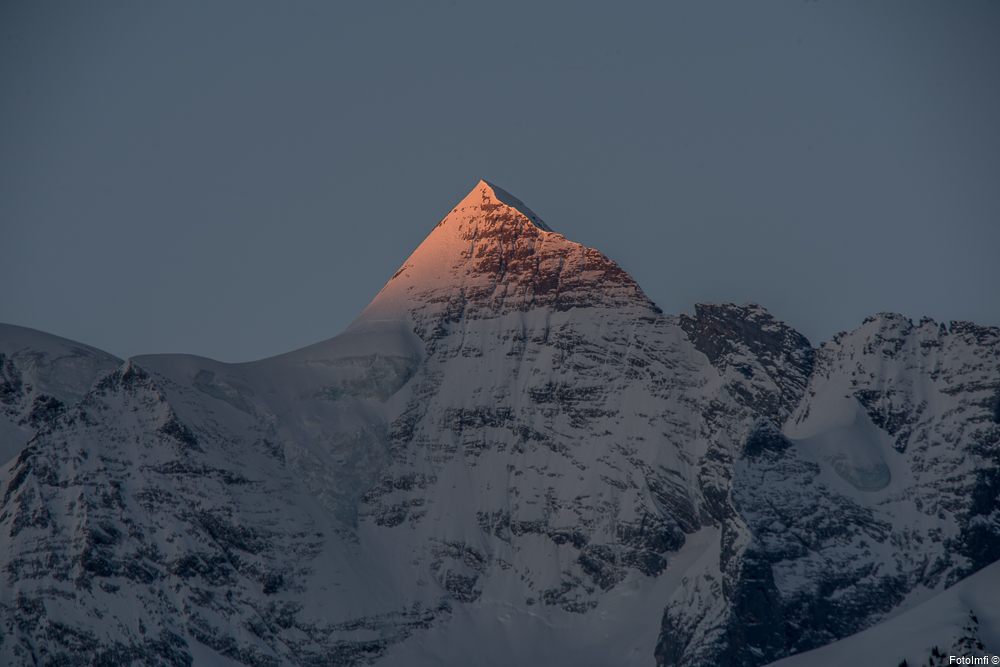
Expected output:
(40, 375)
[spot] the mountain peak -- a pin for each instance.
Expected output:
(487, 191)
(492, 254)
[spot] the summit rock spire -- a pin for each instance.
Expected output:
(493, 255)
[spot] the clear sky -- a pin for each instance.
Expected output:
(239, 179)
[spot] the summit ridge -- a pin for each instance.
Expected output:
(510, 200)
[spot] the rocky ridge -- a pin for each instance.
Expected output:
(40, 376)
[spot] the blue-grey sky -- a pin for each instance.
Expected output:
(239, 179)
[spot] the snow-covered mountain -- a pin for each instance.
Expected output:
(512, 456)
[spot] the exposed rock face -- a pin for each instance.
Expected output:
(882, 483)
(487, 259)
(510, 441)
(774, 360)
(930, 389)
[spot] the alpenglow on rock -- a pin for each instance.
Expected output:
(512, 456)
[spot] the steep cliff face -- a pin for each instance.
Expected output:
(769, 363)
(930, 392)
(511, 453)
(492, 256)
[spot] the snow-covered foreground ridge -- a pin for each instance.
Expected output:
(510, 457)
(963, 621)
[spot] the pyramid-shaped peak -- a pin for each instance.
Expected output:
(492, 255)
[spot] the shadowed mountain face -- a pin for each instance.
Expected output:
(728, 335)
(511, 454)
